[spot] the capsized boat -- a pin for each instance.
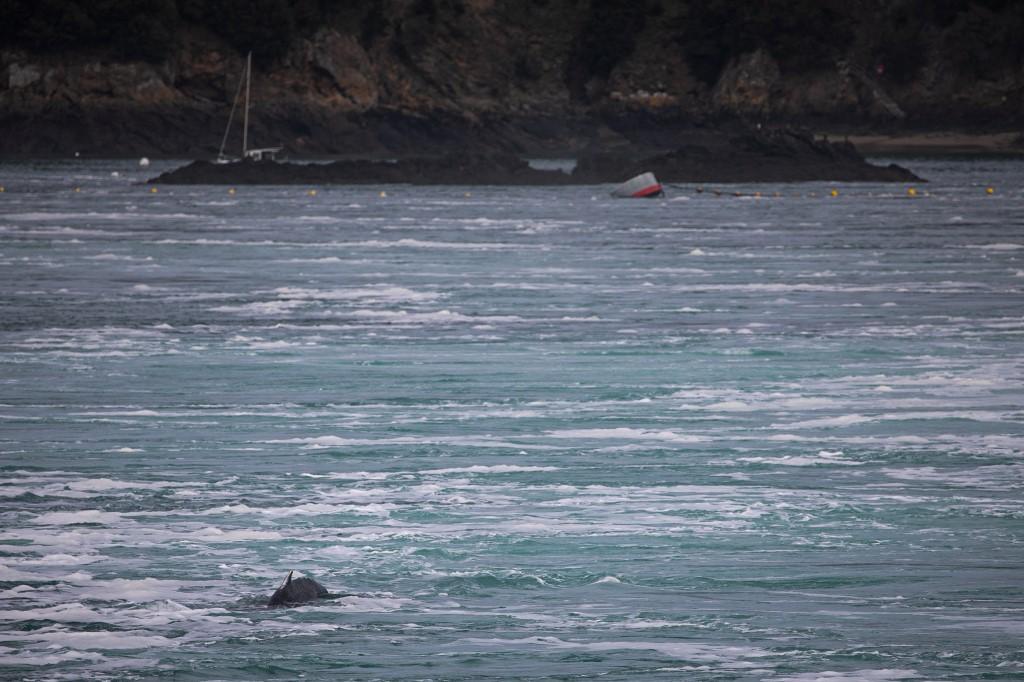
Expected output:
(642, 186)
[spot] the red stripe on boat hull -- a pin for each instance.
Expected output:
(651, 191)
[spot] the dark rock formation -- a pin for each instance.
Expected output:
(452, 169)
(297, 591)
(755, 156)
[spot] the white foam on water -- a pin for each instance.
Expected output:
(380, 603)
(826, 422)
(324, 259)
(58, 637)
(863, 675)
(409, 243)
(353, 475)
(824, 457)
(218, 535)
(257, 343)
(69, 612)
(268, 308)
(1009, 626)
(49, 658)
(999, 246)
(382, 293)
(434, 317)
(8, 574)
(325, 442)
(85, 516)
(55, 560)
(989, 477)
(132, 589)
(119, 257)
(731, 406)
(729, 656)
(625, 433)
(494, 469)
(58, 215)
(107, 484)
(309, 509)
(341, 553)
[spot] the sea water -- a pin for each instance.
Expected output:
(526, 433)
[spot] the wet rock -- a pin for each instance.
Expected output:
(753, 156)
(297, 591)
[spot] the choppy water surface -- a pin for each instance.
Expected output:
(531, 433)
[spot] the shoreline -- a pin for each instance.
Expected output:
(921, 144)
(942, 143)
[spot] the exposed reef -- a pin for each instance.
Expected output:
(297, 591)
(756, 156)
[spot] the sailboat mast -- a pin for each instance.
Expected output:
(245, 127)
(231, 118)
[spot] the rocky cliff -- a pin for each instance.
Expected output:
(393, 77)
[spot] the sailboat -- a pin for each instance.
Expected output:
(255, 154)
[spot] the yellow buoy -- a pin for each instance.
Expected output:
(911, 192)
(383, 194)
(2, 189)
(231, 191)
(990, 190)
(77, 190)
(311, 192)
(152, 190)
(834, 193)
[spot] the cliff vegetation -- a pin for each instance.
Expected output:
(389, 76)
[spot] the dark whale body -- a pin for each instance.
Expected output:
(297, 591)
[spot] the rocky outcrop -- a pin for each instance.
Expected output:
(749, 84)
(452, 169)
(340, 68)
(752, 156)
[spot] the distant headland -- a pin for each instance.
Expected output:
(402, 78)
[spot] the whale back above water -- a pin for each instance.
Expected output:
(297, 591)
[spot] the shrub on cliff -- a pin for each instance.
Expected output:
(138, 29)
(900, 41)
(134, 29)
(987, 37)
(266, 27)
(606, 37)
(47, 25)
(800, 34)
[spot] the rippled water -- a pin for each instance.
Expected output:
(528, 433)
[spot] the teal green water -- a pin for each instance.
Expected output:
(529, 433)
